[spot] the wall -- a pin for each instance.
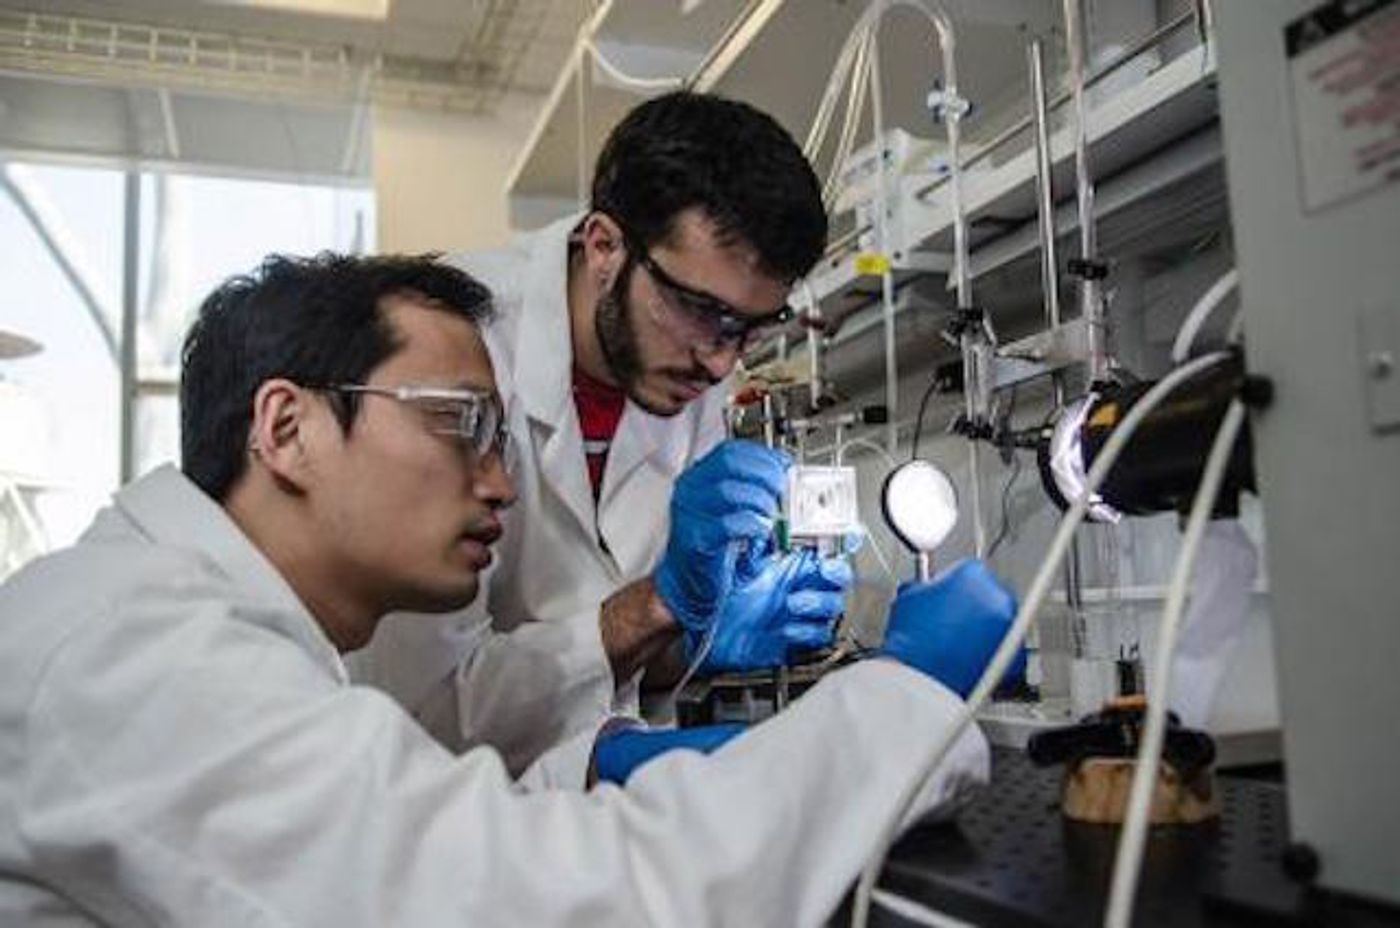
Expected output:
(440, 177)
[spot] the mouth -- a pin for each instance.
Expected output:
(687, 389)
(477, 544)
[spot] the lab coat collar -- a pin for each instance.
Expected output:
(544, 356)
(170, 509)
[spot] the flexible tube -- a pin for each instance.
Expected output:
(731, 562)
(1196, 319)
(1128, 862)
(628, 80)
(1035, 597)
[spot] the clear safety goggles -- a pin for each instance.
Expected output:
(704, 320)
(474, 417)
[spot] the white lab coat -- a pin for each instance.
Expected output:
(179, 746)
(525, 668)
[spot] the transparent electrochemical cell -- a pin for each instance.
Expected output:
(821, 502)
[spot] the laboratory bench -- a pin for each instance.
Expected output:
(1011, 859)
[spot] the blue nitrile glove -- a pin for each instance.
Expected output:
(949, 628)
(722, 515)
(618, 754)
(790, 605)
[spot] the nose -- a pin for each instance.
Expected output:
(491, 482)
(718, 361)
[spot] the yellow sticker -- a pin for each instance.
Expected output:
(871, 263)
(1105, 417)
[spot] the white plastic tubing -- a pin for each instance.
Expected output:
(1127, 865)
(1035, 597)
(1196, 319)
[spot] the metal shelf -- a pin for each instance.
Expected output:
(1143, 140)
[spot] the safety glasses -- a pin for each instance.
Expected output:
(475, 417)
(707, 322)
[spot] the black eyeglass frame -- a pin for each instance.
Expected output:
(728, 324)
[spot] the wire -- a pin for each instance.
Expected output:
(627, 80)
(1010, 481)
(1005, 506)
(866, 443)
(919, 419)
(1035, 596)
(731, 561)
(1128, 863)
(915, 912)
(837, 457)
(1196, 318)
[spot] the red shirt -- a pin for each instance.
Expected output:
(599, 411)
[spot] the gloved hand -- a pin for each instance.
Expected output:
(618, 754)
(790, 604)
(722, 515)
(949, 628)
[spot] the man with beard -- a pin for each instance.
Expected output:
(616, 333)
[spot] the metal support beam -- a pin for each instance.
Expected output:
(62, 244)
(131, 255)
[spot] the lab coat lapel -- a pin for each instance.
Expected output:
(543, 363)
(646, 456)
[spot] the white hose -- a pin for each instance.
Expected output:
(617, 75)
(1196, 319)
(1010, 644)
(731, 564)
(1128, 862)
(859, 442)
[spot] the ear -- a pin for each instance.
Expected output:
(277, 437)
(603, 246)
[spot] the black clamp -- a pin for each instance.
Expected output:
(965, 320)
(1117, 732)
(1087, 269)
(974, 429)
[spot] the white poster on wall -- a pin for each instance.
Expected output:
(1344, 66)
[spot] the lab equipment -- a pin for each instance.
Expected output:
(921, 507)
(1160, 470)
(618, 754)
(1009, 649)
(1098, 755)
(820, 504)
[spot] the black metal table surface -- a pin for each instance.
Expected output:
(1012, 859)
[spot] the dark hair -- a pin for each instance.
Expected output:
(734, 162)
(315, 321)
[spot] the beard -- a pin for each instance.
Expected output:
(615, 325)
(617, 334)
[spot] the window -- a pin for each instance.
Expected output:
(63, 241)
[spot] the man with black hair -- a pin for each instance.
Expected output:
(618, 330)
(180, 744)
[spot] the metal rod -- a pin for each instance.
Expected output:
(1090, 292)
(131, 254)
(923, 566)
(1148, 42)
(770, 436)
(882, 227)
(1044, 184)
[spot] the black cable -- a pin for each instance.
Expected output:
(1007, 431)
(919, 422)
(1005, 507)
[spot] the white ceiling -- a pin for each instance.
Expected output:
(234, 86)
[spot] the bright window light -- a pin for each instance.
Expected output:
(350, 9)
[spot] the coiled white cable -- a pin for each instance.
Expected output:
(1127, 865)
(1035, 597)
